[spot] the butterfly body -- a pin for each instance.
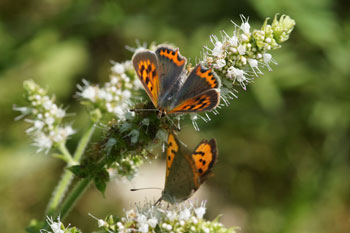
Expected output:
(164, 78)
(186, 171)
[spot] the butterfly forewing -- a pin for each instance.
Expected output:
(204, 157)
(170, 68)
(145, 64)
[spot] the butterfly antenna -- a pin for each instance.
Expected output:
(144, 189)
(143, 110)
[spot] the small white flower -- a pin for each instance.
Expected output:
(206, 230)
(118, 68)
(254, 65)
(102, 94)
(171, 215)
(109, 97)
(37, 125)
(57, 136)
(237, 75)
(244, 38)
(118, 110)
(101, 223)
(233, 41)
(219, 63)
(55, 226)
(120, 225)
(169, 227)
(194, 220)
(137, 84)
(243, 60)
(131, 213)
(47, 104)
(185, 214)
(141, 219)
(245, 27)
(89, 93)
(49, 120)
(267, 57)
(37, 97)
(200, 211)
(241, 49)
(143, 228)
(43, 142)
(126, 94)
(152, 222)
(114, 80)
(60, 113)
(128, 65)
(218, 49)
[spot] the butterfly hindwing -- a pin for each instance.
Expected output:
(204, 101)
(205, 156)
(182, 177)
(145, 64)
(199, 80)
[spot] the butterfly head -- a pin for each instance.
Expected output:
(161, 113)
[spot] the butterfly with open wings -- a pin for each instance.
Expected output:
(164, 78)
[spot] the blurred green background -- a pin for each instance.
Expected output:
(284, 144)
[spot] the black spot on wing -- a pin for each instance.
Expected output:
(199, 153)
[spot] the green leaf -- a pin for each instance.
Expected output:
(78, 171)
(101, 181)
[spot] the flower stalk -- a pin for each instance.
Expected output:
(67, 177)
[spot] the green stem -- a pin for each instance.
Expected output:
(66, 156)
(59, 192)
(83, 143)
(67, 177)
(72, 198)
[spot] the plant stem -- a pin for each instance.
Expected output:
(67, 177)
(73, 196)
(66, 156)
(83, 143)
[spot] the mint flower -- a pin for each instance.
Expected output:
(46, 118)
(184, 217)
(114, 96)
(58, 227)
(239, 56)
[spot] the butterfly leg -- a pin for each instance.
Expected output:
(158, 201)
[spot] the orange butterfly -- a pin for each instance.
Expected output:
(171, 91)
(186, 171)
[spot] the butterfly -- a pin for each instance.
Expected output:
(186, 171)
(163, 77)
